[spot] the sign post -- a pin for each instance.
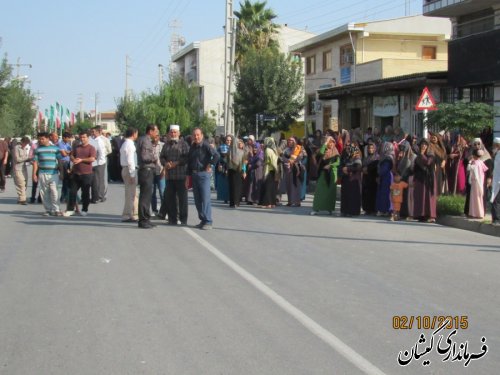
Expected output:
(426, 103)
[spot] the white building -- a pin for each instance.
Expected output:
(202, 63)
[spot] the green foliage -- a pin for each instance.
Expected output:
(16, 112)
(86, 124)
(450, 205)
(255, 29)
(175, 103)
(469, 118)
(271, 83)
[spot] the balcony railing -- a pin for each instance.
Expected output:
(432, 5)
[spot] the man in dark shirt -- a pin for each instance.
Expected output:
(82, 156)
(200, 159)
(146, 161)
(174, 159)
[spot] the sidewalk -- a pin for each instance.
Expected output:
(474, 225)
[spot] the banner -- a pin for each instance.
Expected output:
(385, 106)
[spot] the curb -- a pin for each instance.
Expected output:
(470, 225)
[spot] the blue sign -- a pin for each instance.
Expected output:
(345, 75)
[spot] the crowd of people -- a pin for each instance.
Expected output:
(389, 174)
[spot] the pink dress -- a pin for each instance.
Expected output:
(476, 169)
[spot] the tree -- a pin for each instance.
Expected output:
(255, 29)
(175, 103)
(16, 104)
(469, 118)
(269, 83)
(80, 125)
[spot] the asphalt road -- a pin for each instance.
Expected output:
(264, 292)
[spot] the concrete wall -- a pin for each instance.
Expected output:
(211, 75)
(386, 68)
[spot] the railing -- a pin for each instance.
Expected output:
(432, 5)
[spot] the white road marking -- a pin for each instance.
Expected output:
(333, 341)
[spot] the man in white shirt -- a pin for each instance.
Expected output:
(128, 162)
(98, 167)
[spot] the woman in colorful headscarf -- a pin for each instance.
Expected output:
(350, 189)
(326, 188)
(485, 157)
(221, 171)
(424, 185)
(255, 174)
(385, 165)
(236, 171)
(268, 195)
(293, 171)
(369, 185)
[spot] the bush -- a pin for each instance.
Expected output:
(450, 205)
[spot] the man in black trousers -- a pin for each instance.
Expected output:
(146, 161)
(174, 159)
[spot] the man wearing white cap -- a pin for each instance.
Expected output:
(495, 185)
(174, 159)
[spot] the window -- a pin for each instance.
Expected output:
(327, 60)
(428, 53)
(311, 65)
(346, 55)
(311, 102)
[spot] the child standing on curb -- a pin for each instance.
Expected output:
(397, 188)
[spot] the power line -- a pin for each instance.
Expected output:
(330, 24)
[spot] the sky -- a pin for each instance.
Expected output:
(77, 49)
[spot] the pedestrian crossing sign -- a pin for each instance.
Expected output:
(426, 101)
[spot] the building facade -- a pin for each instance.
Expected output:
(358, 53)
(474, 50)
(202, 63)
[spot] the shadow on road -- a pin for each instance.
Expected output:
(359, 239)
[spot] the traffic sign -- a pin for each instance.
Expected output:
(426, 101)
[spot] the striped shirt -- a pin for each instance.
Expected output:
(47, 158)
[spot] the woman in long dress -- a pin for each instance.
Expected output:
(456, 166)
(325, 195)
(222, 167)
(476, 169)
(477, 144)
(293, 171)
(255, 174)
(350, 190)
(369, 186)
(268, 195)
(424, 186)
(236, 171)
(405, 165)
(385, 165)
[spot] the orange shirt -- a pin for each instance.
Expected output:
(397, 191)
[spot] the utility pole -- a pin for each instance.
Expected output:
(80, 102)
(176, 42)
(230, 42)
(127, 74)
(160, 74)
(96, 100)
(407, 7)
(18, 65)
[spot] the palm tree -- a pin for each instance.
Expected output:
(255, 28)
